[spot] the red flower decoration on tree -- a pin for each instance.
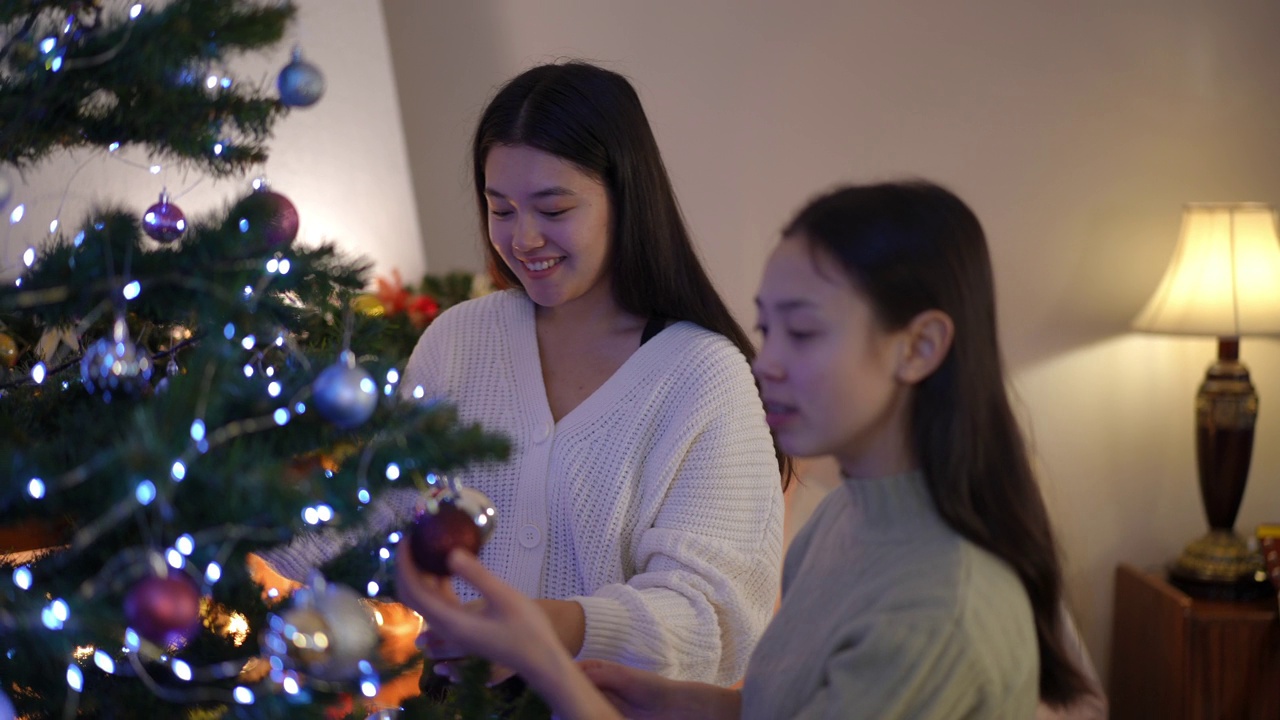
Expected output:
(396, 299)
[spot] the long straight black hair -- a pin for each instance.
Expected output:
(593, 118)
(912, 247)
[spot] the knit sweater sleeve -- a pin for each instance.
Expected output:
(904, 666)
(311, 549)
(706, 572)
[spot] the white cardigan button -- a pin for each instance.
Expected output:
(544, 432)
(530, 536)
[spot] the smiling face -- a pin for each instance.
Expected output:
(828, 371)
(551, 224)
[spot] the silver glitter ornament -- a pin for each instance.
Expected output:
(328, 634)
(115, 363)
(345, 393)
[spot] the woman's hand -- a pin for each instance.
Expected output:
(642, 695)
(507, 628)
(566, 616)
(445, 657)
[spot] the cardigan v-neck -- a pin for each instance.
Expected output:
(533, 388)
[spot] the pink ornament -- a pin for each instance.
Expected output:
(164, 222)
(164, 610)
(268, 214)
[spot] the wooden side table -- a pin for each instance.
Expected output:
(1180, 658)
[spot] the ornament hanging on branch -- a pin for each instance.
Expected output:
(115, 363)
(454, 517)
(345, 393)
(6, 188)
(8, 357)
(164, 608)
(327, 633)
(300, 83)
(164, 221)
(269, 214)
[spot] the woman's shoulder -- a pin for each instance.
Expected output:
(690, 345)
(477, 313)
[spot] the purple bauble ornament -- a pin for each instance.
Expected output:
(164, 609)
(438, 529)
(452, 517)
(164, 222)
(269, 214)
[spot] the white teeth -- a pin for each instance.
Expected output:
(542, 264)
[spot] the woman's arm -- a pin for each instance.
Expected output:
(513, 630)
(641, 695)
(702, 572)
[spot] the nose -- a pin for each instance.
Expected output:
(766, 366)
(527, 235)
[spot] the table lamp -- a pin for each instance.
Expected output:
(1223, 281)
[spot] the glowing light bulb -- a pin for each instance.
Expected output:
(75, 678)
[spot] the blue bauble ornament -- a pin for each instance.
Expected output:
(345, 393)
(300, 83)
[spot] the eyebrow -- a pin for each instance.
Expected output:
(789, 305)
(554, 191)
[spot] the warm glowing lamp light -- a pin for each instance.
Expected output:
(1223, 281)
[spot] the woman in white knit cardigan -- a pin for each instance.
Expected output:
(642, 500)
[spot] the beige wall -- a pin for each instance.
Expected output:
(1076, 131)
(342, 161)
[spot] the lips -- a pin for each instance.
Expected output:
(777, 414)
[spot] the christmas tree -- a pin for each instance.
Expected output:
(176, 394)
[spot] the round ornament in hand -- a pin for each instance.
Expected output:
(164, 221)
(268, 214)
(300, 83)
(451, 519)
(164, 609)
(326, 633)
(345, 393)
(115, 363)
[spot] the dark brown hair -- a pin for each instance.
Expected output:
(915, 246)
(592, 118)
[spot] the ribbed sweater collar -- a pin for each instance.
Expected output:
(892, 504)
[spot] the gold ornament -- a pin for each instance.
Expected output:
(8, 351)
(368, 304)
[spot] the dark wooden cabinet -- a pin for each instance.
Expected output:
(1179, 658)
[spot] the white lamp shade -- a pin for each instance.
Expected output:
(1224, 279)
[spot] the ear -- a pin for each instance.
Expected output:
(926, 342)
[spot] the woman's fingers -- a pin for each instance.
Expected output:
(502, 596)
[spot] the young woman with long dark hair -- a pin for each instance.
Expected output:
(642, 503)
